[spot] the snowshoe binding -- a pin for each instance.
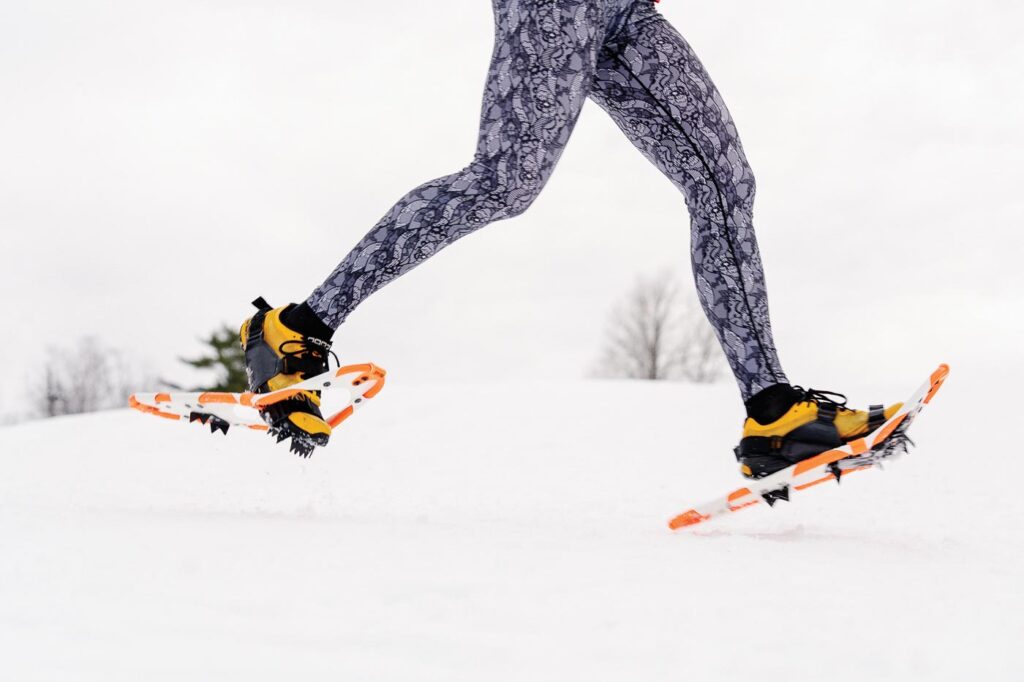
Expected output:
(788, 424)
(284, 346)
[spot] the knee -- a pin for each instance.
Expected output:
(508, 185)
(518, 200)
(725, 195)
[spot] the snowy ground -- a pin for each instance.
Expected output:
(475, 532)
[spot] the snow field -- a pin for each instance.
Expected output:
(501, 532)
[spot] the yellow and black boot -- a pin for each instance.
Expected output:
(788, 424)
(284, 346)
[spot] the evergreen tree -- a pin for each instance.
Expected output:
(226, 357)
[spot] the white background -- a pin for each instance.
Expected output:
(163, 164)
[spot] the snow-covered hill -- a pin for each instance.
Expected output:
(502, 532)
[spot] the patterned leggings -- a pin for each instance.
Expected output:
(549, 56)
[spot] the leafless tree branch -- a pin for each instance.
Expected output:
(86, 378)
(656, 334)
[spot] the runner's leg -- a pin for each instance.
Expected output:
(541, 71)
(652, 84)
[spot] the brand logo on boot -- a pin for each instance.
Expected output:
(318, 342)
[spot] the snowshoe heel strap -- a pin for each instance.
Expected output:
(261, 364)
(876, 417)
(262, 305)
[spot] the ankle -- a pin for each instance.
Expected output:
(303, 318)
(767, 405)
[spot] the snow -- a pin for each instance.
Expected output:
(503, 532)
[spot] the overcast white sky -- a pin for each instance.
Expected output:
(161, 164)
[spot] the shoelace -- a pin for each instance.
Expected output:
(309, 351)
(828, 397)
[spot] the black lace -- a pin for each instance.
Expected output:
(812, 395)
(310, 358)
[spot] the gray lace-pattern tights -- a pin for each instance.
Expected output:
(549, 57)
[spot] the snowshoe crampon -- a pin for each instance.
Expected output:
(887, 441)
(346, 389)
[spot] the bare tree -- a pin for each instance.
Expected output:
(86, 378)
(656, 334)
(637, 337)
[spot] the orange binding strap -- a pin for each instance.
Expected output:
(275, 397)
(815, 461)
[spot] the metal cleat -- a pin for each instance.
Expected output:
(773, 496)
(218, 424)
(301, 448)
(837, 472)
